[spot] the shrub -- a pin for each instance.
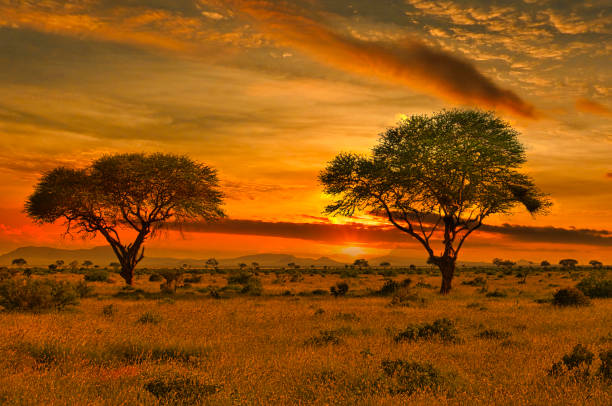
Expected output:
(339, 289)
(239, 278)
(43, 353)
(577, 362)
(172, 278)
(497, 293)
(477, 281)
(194, 279)
(491, 334)
(109, 310)
(155, 277)
(346, 316)
(404, 296)
(7, 273)
(178, 389)
(409, 377)
(390, 286)
(325, 337)
(605, 369)
(37, 295)
(83, 289)
(442, 329)
(570, 297)
(97, 276)
(149, 318)
(253, 287)
(596, 287)
(137, 353)
(319, 292)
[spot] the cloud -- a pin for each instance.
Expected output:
(323, 231)
(412, 64)
(592, 107)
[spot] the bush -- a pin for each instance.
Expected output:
(570, 297)
(239, 278)
(325, 337)
(339, 289)
(491, 334)
(409, 377)
(155, 277)
(178, 389)
(37, 295)
(404, 296)
(149, 318)
(596, 287)
(605, 369)
(97, 276)
(477, 281)
(83, 289)
(136, 353)
(576, 362)
(253, 287)
(390, 286)
(194, 279)
(497, 293)
(109, 310)
(442, 329)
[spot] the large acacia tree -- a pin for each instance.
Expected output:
(127, 196)
(436, 178)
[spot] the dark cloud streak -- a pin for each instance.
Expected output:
(353, 232)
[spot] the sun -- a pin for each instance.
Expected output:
(353, 251)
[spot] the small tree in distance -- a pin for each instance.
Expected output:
(568, 263)
(436, 178)
(19, 262)
(212, 262)
(596, 264)
(545, 263)
(138, 193)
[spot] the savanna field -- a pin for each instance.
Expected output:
(280, 337)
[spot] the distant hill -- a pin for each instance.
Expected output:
(102, 255)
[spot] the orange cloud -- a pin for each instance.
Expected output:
(159, 29)
(592, 107)
(413, 64)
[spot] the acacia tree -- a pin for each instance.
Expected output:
(596, 264)
(436, 178)
(127, 195)
(20, 262)
(568, 263)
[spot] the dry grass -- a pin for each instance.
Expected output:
(254, 350)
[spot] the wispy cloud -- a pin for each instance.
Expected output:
(412, 63)
(593, 107)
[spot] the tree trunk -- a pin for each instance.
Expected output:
(127, 273)
(447, 268)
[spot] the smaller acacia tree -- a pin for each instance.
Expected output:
(596, 264)
(19, 262)
(568, 263)
(135, 193)
(212, 263)
(436, 178)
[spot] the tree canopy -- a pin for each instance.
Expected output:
(135, 191)
(436, 177)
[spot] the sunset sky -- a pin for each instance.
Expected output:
(268, 92)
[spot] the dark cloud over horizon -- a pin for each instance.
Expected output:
(356, 232)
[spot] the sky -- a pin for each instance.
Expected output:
(267, 92)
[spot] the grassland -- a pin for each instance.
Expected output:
(276, 348)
